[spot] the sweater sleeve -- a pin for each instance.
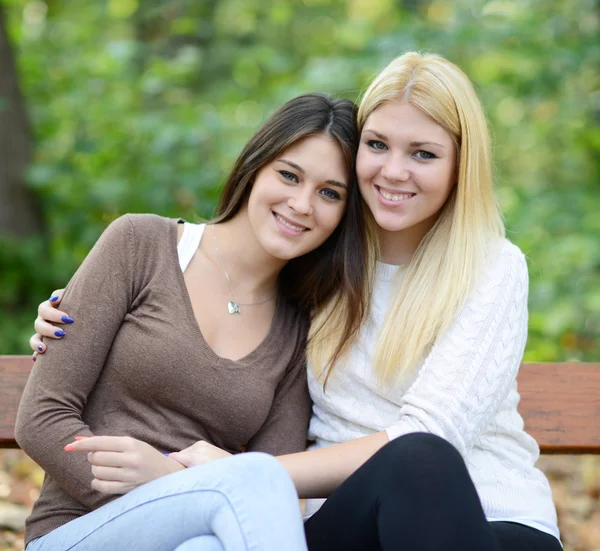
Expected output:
(471, 368)
(286, 426)
(51, 410)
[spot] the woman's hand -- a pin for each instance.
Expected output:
(199, 453)
(48, 314)
(121, 464)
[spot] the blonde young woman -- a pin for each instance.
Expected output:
(418, 442)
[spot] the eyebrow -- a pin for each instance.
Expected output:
(419, 144)
(301, 170)
(412, 144)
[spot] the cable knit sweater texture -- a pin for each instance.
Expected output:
(464, 390)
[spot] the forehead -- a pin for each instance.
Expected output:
(396, 118)
(319, 154)
(312, 144)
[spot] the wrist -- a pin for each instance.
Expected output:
(173, 466)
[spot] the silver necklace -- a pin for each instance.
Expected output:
(233, 306)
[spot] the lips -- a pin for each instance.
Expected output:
(395, 196)
(290, 224)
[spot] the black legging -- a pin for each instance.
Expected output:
(415, 494)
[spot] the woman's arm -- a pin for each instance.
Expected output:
(50, 414)
(316, 473)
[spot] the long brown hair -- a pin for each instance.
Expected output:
(336, 267)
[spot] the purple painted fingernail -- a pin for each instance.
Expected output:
(59, 333)
(66, 319)
(53, 298)
(40, 347)
(34, 357)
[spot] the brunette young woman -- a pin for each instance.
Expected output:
(418, 441)
(191, 332)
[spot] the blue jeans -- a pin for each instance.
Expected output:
(243, 503)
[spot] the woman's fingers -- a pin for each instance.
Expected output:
(108, 473)
(47, 315)
(102, 443)
(108, 459)
(46, 329)
(36, 344)
(110, 486)
(48, 312)
(187, 459)
(56, 296)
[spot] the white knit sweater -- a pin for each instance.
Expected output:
(464, 390)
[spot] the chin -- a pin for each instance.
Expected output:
(286, 256)
(391, 223)
(283, 249)
(282, 253)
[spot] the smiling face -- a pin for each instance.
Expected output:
(298, 199)
(406, 171)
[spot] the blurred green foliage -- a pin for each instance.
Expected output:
(143, 106)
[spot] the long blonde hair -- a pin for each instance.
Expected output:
(446, 264)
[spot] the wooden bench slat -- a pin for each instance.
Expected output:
(14, 371)
(560, 403)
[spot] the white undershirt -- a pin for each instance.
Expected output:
(189, 243)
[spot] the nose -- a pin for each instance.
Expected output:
(395, 168)
(302, 201)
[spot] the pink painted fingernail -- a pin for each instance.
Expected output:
(69, 447)
(81, 437)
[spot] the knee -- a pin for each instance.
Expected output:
(421, 454)
(261, 469)
(422, 444)
(259, 463)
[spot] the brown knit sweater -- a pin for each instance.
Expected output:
(135, 364)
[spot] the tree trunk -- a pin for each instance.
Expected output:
(19, 212)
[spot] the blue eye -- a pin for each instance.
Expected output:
(376, 144)
(425, 155)
(330, 194)
(290, 176)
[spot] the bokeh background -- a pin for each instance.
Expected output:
(114, 106)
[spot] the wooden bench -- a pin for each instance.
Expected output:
(560, 403)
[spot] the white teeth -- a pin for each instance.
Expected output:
(288, 225)
(391, 197)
